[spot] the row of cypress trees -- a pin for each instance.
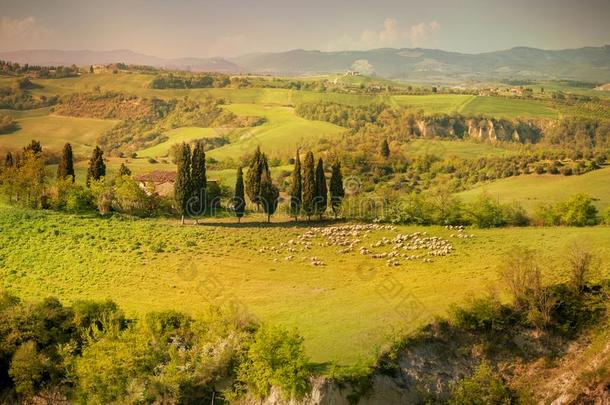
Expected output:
(191, 181)
(309, 194)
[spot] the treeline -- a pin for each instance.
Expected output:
(143, 120)
(208, 80)
(90, 352)
(41, 72)
(7, 124)
(442, 208)
(19, 98)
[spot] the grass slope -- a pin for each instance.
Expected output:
(345, 310)
(503, 107)
(280, 135)
(532, 190)
(447, 149)
(54, 131)
(179, 135)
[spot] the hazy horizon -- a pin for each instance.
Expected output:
(224, 29)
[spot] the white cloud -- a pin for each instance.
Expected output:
(393, 35)
(22, 33)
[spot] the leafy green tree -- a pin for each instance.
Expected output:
(253, 177)
(27, 369)
(309, 186)
(296, 193)
(182, 186)
(239, 199)
(385, 149)
(124, 170)
(578, 211)
(336, 187)
(321, 199)
(97, 167)
(275, 359)
(65, 168)
(483, 388)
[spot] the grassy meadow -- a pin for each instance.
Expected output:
(346, 310)
(533, 190)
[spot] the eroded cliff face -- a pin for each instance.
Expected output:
(483, 129)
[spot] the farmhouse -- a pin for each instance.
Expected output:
(161, 182)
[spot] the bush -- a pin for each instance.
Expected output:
(486, 212)
(78, 199)
(275, 359)
(27, 368)
(484, 387)
(578, 211)
(514, 215)
(483, 315)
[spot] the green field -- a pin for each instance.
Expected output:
(503, 107)
(533, 190)
(54, 131)
(433, 104)
(280, 135)
(448, 149)
(346, 310)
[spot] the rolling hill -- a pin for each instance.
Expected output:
(588, 63)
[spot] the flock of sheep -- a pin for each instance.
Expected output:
(349, 238)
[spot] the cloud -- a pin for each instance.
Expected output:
(22, 33)
(393, 35)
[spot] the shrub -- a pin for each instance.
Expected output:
(514, 214)
(27, 369)
(578, 211)
(484, 387)
(275, 359)
(482, 315)
(78, 199)
(486, 212)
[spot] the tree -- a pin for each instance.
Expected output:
(336, 188)
(91, 69)
(309, 185)
(65, 168)
(296, 193)
(8, 161)
(124, 170)
(33, 147)
(321, 199)
(182, 186)
(239, 199)
(97, 167)
(253, 177)
(269, 193)
(385, 149)
(198, 178)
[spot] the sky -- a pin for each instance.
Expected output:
(230, 27)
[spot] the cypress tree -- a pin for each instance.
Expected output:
(8, 161)
(66, 164)
(321, 199)
(385, 149)
(269, 193)
(97, 167)
(296, 193)
(253, 177)
(33, 147)
(182, 186)
(239, 199)
(124, 170)
(198, 178)
(336, 187)
(309, 185)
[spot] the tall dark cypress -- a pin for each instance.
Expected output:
(269, 193)
(239, 198)
(8, 161)
(182, 186)
(296, 193)
(198, 178)
(385, 149)
(97, 167)
(321, 199)
(309, 185)
(124, 170)
(65, 168)
(337, 192)
(253, 177)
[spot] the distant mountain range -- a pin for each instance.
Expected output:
(586, 64)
